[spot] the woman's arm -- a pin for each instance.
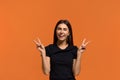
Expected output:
(77, 64)
(45, 64)
(45, 59)
(77, 61)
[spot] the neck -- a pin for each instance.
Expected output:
(60, 43)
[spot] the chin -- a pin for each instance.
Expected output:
(62, 40)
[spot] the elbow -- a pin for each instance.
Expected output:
(76, 73)
(46, 72)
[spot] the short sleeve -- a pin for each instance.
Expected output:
(75, 52)
(48, 50)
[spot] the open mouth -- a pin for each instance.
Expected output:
(61, 35)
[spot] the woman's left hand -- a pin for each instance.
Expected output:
(82, 48)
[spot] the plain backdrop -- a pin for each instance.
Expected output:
(22, 21)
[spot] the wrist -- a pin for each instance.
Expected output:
(43, 54)
(80, 51)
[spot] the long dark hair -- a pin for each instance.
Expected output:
(70, 37)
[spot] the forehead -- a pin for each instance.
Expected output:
(62, 25)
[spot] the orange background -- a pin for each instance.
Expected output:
(22, 21)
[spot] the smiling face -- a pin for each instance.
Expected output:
(62, 32)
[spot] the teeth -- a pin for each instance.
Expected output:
(61, 35)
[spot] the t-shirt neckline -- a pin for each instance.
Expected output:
(62, 49)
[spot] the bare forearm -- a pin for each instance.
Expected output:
(45, 65)
(77, 65)
(45, 59)
(77, 62)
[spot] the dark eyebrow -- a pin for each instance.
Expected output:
(61, 28)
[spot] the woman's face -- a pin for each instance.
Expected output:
(62, 32)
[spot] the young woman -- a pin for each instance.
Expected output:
(62, 58)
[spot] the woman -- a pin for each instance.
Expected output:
(61, 59)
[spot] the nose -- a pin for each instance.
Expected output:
(61, 31)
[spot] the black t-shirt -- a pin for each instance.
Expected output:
(61, 61)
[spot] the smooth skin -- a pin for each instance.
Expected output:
(62, 32)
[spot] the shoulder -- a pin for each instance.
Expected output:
(49, 46)
(49, 49)
(74, 47)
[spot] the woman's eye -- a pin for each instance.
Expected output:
(58, 28)
(65, 29)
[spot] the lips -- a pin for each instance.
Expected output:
(61, 35)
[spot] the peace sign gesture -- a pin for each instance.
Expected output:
(40, 46)
(82, 48)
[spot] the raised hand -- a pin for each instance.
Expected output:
(40, 46)
(82, 48)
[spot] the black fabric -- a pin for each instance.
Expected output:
(61, 61)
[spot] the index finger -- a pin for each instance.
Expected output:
(84, 40)
(35, 41)
(87, 43)
(39, 40)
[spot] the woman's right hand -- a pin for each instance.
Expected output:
(40, 46)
